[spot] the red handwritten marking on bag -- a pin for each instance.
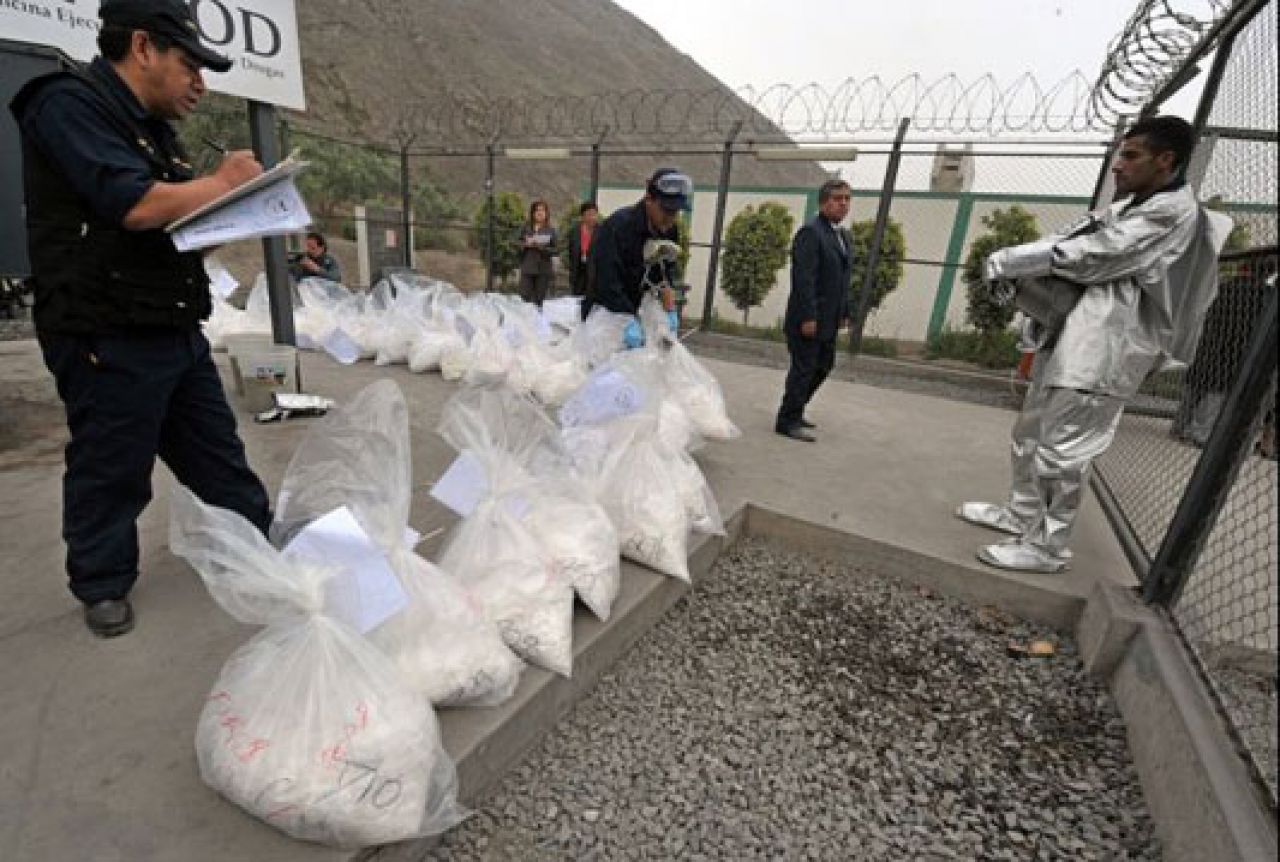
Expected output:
(331, 756)
(254, 749)
(233, 723)
(281, 811)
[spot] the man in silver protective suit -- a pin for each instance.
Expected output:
(1145, 271)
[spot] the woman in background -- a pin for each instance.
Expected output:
(537, 250)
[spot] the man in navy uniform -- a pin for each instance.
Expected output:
(617, 267)
(821, 272)
(118, 307)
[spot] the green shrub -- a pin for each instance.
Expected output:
(886, 348)
(567, 223)
(889, 269)
(755, 248)
(729, 327)
(509, 216)
(871, 346)
(437, 215)
(989, 350)
(1005, 228)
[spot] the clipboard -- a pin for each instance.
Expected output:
(291, 166)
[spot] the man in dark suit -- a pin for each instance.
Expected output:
(580, 238)
(821, 271)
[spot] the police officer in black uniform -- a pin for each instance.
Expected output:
(617, 266)
(117, 307)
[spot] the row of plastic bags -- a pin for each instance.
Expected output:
(480, 338)
(322, 724)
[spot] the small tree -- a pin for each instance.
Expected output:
(893, 250)
(342, 175)
(568, 222)
(434, 209)
(755, 249)
(222, 119)
(684, 235)
(509, 215)
(1005, 228)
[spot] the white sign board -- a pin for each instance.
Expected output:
(260, 37)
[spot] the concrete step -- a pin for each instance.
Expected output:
(486, 743)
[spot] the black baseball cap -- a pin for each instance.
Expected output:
(672, 189)
(171, 18)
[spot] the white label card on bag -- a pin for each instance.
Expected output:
(366, 592)
(341, 346)
(463, 485)
(221, 282)
(606, 395)
(566, 311)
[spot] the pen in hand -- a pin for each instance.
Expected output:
(214, 145)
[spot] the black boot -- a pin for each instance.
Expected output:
(109, 618)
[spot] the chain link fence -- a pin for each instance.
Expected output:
(948, 198)
(1192, 479)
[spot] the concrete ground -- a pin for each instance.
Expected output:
(96, 754)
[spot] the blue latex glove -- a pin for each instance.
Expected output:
(673, 320)
(633, 335)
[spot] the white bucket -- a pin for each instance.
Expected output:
(237, 345)
(264, 371)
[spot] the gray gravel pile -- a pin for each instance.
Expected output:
(798, 709)
(1250, 700)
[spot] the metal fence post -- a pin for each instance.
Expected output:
(1217, 468)
(490, 162)
(292, 243)
(722, 200)
(406, 203)
(262, 130)
(1209, 95)
(877, 238)
(285, 140)
(595, 165)
(947, 281)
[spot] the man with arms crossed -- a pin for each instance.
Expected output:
(1146, 269)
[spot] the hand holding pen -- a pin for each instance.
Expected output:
(237, 167)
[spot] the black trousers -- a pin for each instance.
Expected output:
(811, 361)
(578, 281)
(534, 288)
(129, 399)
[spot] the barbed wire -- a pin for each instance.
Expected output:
(780, 113)
(1148, 52)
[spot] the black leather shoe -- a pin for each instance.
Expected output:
(796, 432)
(109, 618)
(805, 423)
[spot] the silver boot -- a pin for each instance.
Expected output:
(992, 516)
(1018, 556)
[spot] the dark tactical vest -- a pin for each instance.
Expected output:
(95, 278)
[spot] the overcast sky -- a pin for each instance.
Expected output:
(762, 42)
(758, 43)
